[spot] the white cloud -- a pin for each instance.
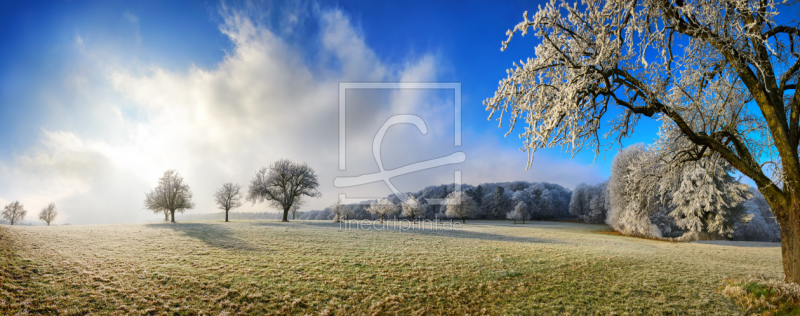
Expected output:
(266, 100)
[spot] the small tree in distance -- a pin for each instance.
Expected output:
(412, 207)
(382, 208)
(283, 185)
(14, 212)
(228, 197)
(48, 214)
(518, 214)
(342, 211)
(171, 195)
(460, 205)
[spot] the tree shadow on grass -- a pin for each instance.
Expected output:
(443, 230)
(217, 236)
(733, 243)
(466, 234)
(298, 224)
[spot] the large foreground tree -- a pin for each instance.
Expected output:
(722, 75)
(284, 184)
(172, 194)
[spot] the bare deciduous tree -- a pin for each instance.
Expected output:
(382, 208)
(284, 184)
(412, 207)
(722, 74)
(48, 214)
(460, 205)
(228, 197)
(14, 212)
(171, 195)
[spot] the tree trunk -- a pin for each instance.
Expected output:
(463, 220)
(172, 215)
(226, 216)
(381, 219)
(166, 216)
(285, 215)
(790, 243)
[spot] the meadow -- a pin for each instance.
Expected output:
(317, 268)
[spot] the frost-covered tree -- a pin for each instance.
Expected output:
(598, 203)
(708, 199)
(48, 213)
(518, 214)
(523, 196)
(500, 203)
(460, 205)
(171, 195)
(283, 184)
(382, 208)
(14, 212)
(546, 205)
(228, 197)
(341, 211)
(412, 207)
(760, 223)
(478, 196)
(723, 73)
(631, 193)
(589, 203)
(578, 205)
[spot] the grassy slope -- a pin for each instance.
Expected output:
(314, 267)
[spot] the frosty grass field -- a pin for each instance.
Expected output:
(315, 268)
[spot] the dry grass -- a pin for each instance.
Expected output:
(316, 268)
(757, 295)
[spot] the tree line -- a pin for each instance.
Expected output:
(518, 200)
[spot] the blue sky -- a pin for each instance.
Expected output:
(98, 98)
